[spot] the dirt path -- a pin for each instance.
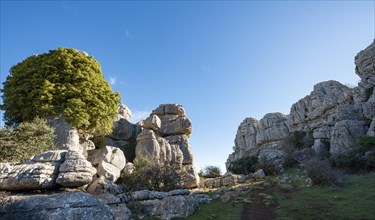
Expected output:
(258, 210)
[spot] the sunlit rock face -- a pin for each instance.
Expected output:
(334, 114)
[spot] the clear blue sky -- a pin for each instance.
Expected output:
(223, 61)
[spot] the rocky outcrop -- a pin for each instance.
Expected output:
(66, 205)
(49, 170)
(335, 114)
(228, 180)
(67, 137)
(165, 141)
(76, 171)
(166, 205)
(109, 162)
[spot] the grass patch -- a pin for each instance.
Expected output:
(354, 200)
(217, 210)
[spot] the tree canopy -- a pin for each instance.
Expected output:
(65, 82)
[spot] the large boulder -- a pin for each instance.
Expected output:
(66, 205)
(246, 137)
(124, 130)
(29, 176)
(344, 136)
(316, 108)
(76, 171)
(182, 142)
(272, 127)
(147, 146)
(153, 122)
(38, 173)
(173, 120)
(166, 205)
(109, 154)
(67, 137)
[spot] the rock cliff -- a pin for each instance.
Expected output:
(333, 113)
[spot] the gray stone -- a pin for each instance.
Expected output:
(174, 124)
(50, 156)
(344, 135)
(171, 207)
(109, 154)
(124, 130)
(29, 175)
(59, 206)
(67, 137)
(76, 171)
(153, 122)
(128, 169)
(190, 176)
(147, 146)
(272, 127)
(183, 143)
(259, 174)
(109, 171)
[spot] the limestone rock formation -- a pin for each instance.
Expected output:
(49, 170)
(335, 114)
(166, 205)
(67, 137)
(66, 205)
(165, 141)
(123, 136)
(76, 171)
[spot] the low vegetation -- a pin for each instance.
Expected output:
(360, 159)
(244, 165)
(292, 198)
(29, 138)
(147, 175)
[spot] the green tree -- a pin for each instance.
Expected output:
(64, 82)
(210, 171)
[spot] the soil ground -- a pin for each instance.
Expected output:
(258, 210)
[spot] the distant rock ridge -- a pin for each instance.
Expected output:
(333, 112)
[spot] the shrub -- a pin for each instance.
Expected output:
(321, 173)
(29, 138)
(210, 172)
(270, 169)
(244, 165)
(366, 143)
(300, 139)
(151, 176)
(61, 82)
(360, 159)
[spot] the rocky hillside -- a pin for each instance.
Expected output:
(80, 179)
(334, 114)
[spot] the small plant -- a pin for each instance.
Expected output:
(210, 172)
(244, 165)
(29, 138)
(147, 175)
(321, 173)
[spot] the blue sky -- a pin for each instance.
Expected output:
(223, 60)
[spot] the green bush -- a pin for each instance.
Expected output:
(301, 139)
(366, 143)
(61, 82)
(151, 176)
(269, 169)
(244, 165)
(29, 138)
(321, 173)
(210, 172)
